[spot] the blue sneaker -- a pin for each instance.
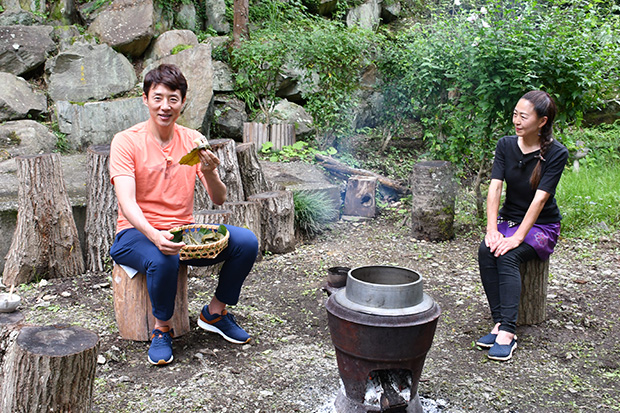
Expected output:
(502, 352)
(486, 341)
(223, 324)
(160, 352)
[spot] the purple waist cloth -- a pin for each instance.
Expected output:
(541, 237)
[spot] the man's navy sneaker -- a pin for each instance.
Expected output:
(160, 352)
(502, 352)
(224, 324)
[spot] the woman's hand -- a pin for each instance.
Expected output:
(492, 239)
(163, 242)
(505, 244)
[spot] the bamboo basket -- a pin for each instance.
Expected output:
(210, 250)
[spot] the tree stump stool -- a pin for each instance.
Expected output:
(132, 305)
(433, 190)
(10, 324)
(277, 221)
(359, 200)
(533, 301)
(246, 214)
(252, 176)
(51, 369)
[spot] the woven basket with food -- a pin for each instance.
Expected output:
(201, 240)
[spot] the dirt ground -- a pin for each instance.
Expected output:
(570, 363)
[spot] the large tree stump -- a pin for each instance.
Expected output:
(101, 209)
(359, 199)
(277, 221)
(246, 214)
(229, 173)
(45, 242)
(433, 190)
(533, 302)
(132, 305)
(10, 324)
(252, 176)
(51, 369)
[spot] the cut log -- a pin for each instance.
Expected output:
(252, 176)
(533, 302)
(359, 200)
(132, 305)
(246, 214)
(101, 209)
(277, 221)
(282, 134)
(51, 369)
(258, 133)
(433, 190)
(45, 242)
(343, 170)
(10, 324)
(216, 216)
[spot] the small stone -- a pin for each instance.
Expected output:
(66, 294)
(43, 283)
(49, 297)
(199, 356)
(266, 393)
(101, 359)
(246, 347)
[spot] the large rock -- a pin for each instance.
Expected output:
(97, 122)
(67, 36)
(164, 44)
(35, 6)
(125, 25)
(18, 100)
(186, 17)
(196, 65)
(76, 74)
(216, 16)
(24, 49)
(25, 137)
(222, 77)
(163, 18)
(390, 11)
(228, 117)
(19, 17)
(366, 15)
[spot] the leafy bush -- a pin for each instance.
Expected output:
(299, 151)
(313, 212)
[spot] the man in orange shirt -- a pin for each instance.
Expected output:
(155, 193)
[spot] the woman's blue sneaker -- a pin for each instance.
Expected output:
(502, 352)
(160, 352)
(223, 324)
(486, 341)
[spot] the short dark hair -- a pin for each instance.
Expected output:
(167, 75)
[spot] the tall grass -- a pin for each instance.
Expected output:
(589, 201)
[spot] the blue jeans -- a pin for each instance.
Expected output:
(501, 279)
(134, 249)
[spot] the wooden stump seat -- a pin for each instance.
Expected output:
(533, 302)
(132, 305)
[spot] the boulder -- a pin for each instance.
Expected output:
(95, 123)
(228, 117)
(30, 6)
(75, 74)
(216, 16)
(186, 17)
(222, 77)
(163, 19)
(24, 49)
(25, 137)
(18, 100)
(390, 11)
(196, 65)
(164, 44)
(125, 25)
(19, 17)
(67, 36)
(367, 15)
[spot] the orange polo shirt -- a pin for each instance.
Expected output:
(164, 188)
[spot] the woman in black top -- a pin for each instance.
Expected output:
(528, 224)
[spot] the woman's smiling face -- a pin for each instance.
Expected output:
(526, 121)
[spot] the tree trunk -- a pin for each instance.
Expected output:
(10, 324)
(246, 214)
(101, 209)
(51, 369)
(252, 176)
(359, 199)
(240, 21)
(45, 242)
(277, 221)
(533, 302)
(217, 216)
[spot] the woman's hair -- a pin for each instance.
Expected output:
(543, 106)
(167, 75)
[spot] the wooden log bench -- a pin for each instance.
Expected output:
(533, 302)
(132, 305)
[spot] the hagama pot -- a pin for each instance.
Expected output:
(381, 321)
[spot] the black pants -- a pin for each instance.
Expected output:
(501, 279)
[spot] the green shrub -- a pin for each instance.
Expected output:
(313, 212)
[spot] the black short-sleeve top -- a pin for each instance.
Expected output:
(515, 168)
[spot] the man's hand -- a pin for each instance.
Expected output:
(208, 161)
(165, 245)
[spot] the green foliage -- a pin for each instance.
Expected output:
(299, 151)
(601, 143)
(180, 47)
(313, 212)
(462, 74)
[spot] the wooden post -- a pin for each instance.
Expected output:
(277, 221)
(45, 242)
(257, 133)
(51, 369)
(132, 305)
(252, 176)
(433, 190)
(282, 134)
(101, 208)
(533, 302)
(359, 199)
